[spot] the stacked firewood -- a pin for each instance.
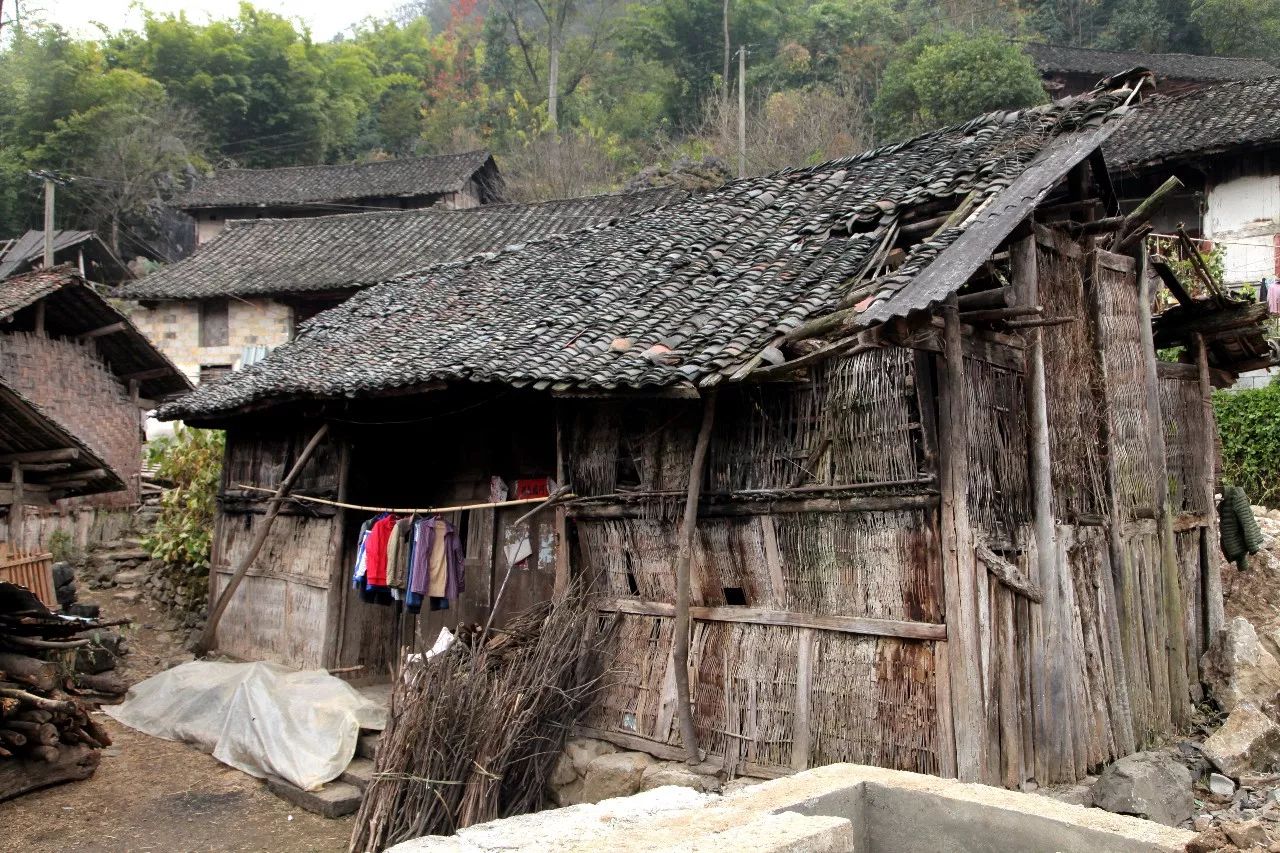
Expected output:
(46, 732)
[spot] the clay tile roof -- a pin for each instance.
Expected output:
(73, 308)
(713, 279)
(410, 176)
(1051, 58)
(1212, 120)
(257, 257)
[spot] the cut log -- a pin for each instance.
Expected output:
(12, 738)
(40, 674)
(36, 733)
(106, 682)
(96, 731)
(58, 705)
(47, 753)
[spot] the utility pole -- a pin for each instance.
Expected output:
(724, 82)
(742, 112)
(48, 222)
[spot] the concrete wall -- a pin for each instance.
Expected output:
(174, 327)
(72, 383)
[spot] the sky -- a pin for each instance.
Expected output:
(326, 18)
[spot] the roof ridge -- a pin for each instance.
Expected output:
(414, 159)
(1143, 52)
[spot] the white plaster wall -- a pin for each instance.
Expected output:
(1244, 215)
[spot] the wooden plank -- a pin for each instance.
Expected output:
(959, 566)
(761, 616)
(667, 704)
(339, 579)
(1211, 566)
(765, 506)
(65, 454)
(674, 753)
(1007, 686)
(801, 722)
(946, 733)
(773, 558)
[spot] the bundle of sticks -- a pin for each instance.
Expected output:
(474, 733)
(46, 732)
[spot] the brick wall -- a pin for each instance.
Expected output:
(73, 384)
(174, 328)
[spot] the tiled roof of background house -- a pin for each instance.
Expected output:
(410, 176)
(74, 309)
(256, 257)
(685, 294)
(27, 251)
(1049, 58)
(1211, 120)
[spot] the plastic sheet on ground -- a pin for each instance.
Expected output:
(262, 718)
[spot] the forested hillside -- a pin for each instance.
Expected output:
(574, 96)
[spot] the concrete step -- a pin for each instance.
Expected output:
(334, 799)
(367, 745)
(359, 773)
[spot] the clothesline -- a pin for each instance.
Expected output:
(406, 511)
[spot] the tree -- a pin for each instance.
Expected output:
(934, 82)
(1239, 27)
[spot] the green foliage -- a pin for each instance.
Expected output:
(1249, 423)
(941, 81)
(192, 461)
(1239, 27)
(62, 547)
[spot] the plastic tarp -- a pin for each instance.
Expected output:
(262, 718)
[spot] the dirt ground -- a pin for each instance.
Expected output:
(155, 795)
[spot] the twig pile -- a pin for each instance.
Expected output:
(474, 733)
(46, 735)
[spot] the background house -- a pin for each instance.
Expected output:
(955, 519)
(1075, 70)
(223, 307)
(452, 181)
(83, 250)
(71, 353)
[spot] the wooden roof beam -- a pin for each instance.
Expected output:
(144, 375)
(65, 454)
(104, 330)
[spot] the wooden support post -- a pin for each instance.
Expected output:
(968, 715)
(1211, 566)
(339, 582)
(1174, 603)
(684, 558)
(17, 509)
(208, 635)
(562, 514)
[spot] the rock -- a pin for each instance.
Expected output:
(1201, 822)
(1220, 785)
(674, 773)
(568, 795)
(1247, 741)
(584, 750)
(1153, 785)
(1246, 833)
(1212, 840)
(1073, 795)
(563, 773)
(741, 783)
(1238, 668)
(129, 596)
(130, 577)
(615, 775)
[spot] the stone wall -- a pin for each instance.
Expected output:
(174, 327)
(71, 382)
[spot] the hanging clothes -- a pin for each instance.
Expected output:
(398, 546)
(376, 550)
(1262, 292)
(358, 573)
(1273, 299)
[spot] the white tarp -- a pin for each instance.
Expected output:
(262, 718)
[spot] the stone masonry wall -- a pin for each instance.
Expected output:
(72, 383)
(174, 327)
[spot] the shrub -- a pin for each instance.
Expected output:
(192, 461)
(1249, 422)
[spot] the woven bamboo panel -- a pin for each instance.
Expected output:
(32, 569)
(1124, 360)
(1072, 391)
(636, 661)
(999, 497)
(856, 422)
(629, 558)
(873, 702)
(1186, 444)
(878, 564)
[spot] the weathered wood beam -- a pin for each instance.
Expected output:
(104, 330)
(771, 506)
(1163, 269)
(766, 616)
(1143, 211)
(1173, 330)
(65, 454)
(684, 558)
(91, 474)
(144, 375)
(1210, 565)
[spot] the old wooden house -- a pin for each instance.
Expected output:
(949, 512)
(71, 353)
(1068, 70)
(454, 181)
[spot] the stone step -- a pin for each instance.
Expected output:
(334, 799)
(130, 577)
(124, 555)
(359, 773)
(367, 745)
